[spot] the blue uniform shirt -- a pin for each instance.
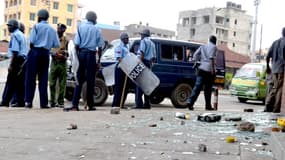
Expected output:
(18, 43)
(121, 51)
(88, 36)
(148, 48)
(44, 36)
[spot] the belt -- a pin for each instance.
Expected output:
(41, 48)
(86, 50)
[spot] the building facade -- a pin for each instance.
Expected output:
(61, 11)
(231, 25)
(134, 30)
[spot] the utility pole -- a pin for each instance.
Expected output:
(260, 44)
(253, 54)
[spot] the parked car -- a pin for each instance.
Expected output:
(172, 67)
(249, 82)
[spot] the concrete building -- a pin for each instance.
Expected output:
(61, 11)
(231, 25)
(135, 29)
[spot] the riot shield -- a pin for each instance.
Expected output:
(141, 75)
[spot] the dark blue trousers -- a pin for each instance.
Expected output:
(86, 72)
(37, 67)
(206, 80)
(139, 92)
(120, 77)
(15, 83)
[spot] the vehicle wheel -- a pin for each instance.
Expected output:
(180, 95)
(156, 99)
(242, 100)
(69, 93)
(100, 92)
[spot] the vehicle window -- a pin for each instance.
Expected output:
(189, 52)
(169, 52)
(109, 53)
(249, 71)
(135, 47)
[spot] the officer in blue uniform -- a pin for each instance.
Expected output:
(121, 79)
(17, 51)
(42, 38)
(146, 53)
(88, 42)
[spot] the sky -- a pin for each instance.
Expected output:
(164, 13)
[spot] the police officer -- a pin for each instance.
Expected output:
(58, 69)
(121, 80)
(17, 50)
(42, 38)
(88, 42)
(146, 53)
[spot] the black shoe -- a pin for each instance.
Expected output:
(4, 104)
(28, 105)
(209, 109)
(17, 105)
(91, 108)
(190, 107)
(146, 107)
(52, 105)
(60, 105)
(45, 107)
(73, 108)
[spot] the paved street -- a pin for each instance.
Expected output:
(33, 134)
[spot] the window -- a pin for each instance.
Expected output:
(20, 2)
(19, 15)
(219, 20)
(235, 21)
(5, 32)
(185, 21)
(68, 22)
(6, 4)
(6, 18)
(32, 16)
(227, 20)
(206, 19)
(33, 2)
(54, 20)
(55, 5)
(234, 44)
(169, 52)
(235, 33)
(70, 8)
(11, 3)
(193, 20)
(192, 32)
(15, 2)
(15, 16)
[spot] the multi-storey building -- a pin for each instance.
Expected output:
(134, 30)
(61, 11)
(231, 25)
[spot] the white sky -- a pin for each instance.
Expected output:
(164, 13)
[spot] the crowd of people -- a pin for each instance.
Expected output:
(30, 62)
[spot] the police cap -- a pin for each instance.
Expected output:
(146, 32)
(43, 13)
(13, 22)
(124, 35)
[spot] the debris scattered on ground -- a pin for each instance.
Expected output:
(72, 126)
(152, 125)
(233, 119)
(230, 139)
(133, 116)
(264, 143)
(115, 110)
(182, 122)
(275, 129)
(246, 126)
(202, 148)
(190, 153)
(181, 115)
(161, 119)
(209, 117)
(248, 110)
(281, 121)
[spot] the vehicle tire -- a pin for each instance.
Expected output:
(242, 100)
(156, 99)
(100, 92)
(69, 93)
(180, 95)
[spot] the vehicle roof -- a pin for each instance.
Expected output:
(169, 40)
